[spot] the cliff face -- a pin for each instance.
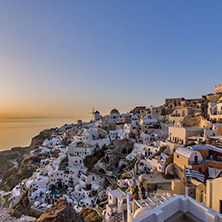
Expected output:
(26, 164)
(39, 139)
(61, 212)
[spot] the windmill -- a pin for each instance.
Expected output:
(93, 112)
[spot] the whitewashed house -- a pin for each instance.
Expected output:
(115, 134)
(147, 124)
(75, 160)
(80, 149)
(215, 111)
(135, 121)
(146, 165)
(117, 205)
(39, 186)
(162, 162)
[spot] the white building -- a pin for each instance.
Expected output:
(16, 194)
(180, 135)
(127, 183)
(142, 150)
(116, 207)
(214, 194)
(179, 208)
(185, 156)
(139, 207)
(215, 130)
(135, 121)
(75, 160)
(39, 186)
(97, 115)
(215, 111)
(89, 134)
(127, 128)
(52, 142)
(115, 134)
(146, 124)
(144, 138)
(65, 177)
(161, 162)
(93, 137)
(146, 165)
(80, 149)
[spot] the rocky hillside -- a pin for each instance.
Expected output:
(18, 164)
(60, 212)
(5, 216)
(90, 215)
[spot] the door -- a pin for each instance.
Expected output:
(195, 159)
(220, 206)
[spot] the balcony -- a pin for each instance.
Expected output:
(211, 158)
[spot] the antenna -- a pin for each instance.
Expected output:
(93, 112)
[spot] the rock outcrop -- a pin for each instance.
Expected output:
(18, 211)
(170, 169)
(113, 162)
(5, 216)
(60, 212)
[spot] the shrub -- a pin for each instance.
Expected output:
(162, 148)
(24, 201)
(8, 200)
(92, 159)
(169, 160)
(190, 144)
(167, 176)
(90, 215)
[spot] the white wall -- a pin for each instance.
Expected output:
(180, 203)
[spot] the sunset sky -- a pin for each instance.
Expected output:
(61, 58)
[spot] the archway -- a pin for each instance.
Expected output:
(102, 171)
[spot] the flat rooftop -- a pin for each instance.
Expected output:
(154, 200)
(155, 178)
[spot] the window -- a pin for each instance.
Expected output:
(178, 156)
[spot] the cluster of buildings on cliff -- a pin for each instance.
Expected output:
(183, 135)
(191, 133)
